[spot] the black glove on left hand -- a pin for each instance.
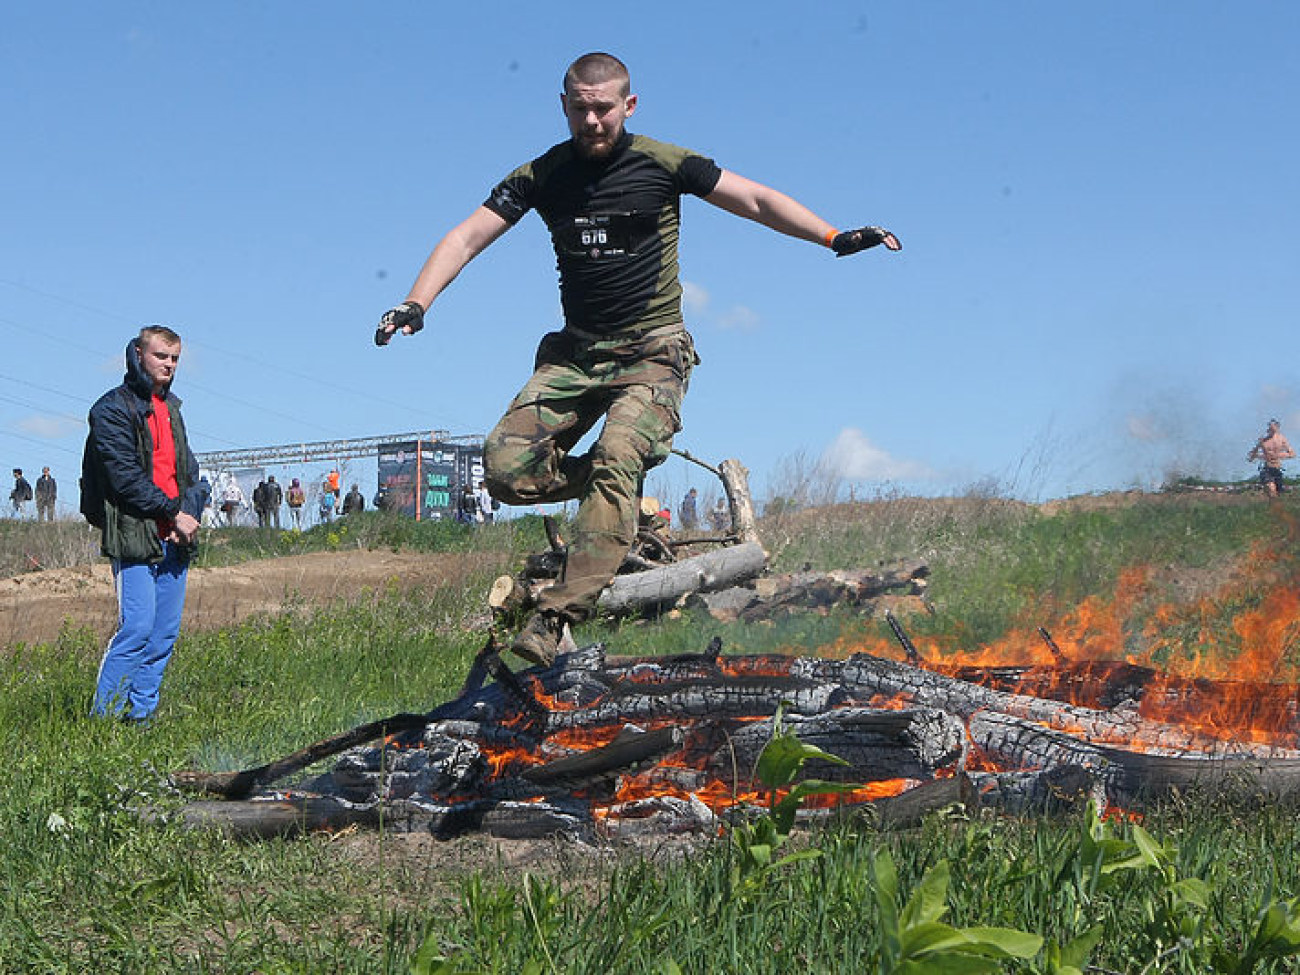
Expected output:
(409, 314)
(852, 241)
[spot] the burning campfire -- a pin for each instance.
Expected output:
(601, 745)
(616, 747)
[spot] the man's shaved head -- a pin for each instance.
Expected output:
(597, 68)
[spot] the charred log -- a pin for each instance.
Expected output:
(239, 785)
(1058, 790)
(267, 819)
(863, 675)
(1130, 776)
(877, 745)
(600, 766)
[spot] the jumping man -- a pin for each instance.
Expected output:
(611, 201)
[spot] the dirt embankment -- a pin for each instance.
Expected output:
(34, 606)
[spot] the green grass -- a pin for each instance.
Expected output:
(88, 885)
(369, 530)
(92, 888)
(818, 914)
(29, 546)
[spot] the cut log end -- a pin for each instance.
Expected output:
(508, 597)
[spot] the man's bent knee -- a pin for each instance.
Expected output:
(521, 471)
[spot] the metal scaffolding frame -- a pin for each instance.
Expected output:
(323, 449)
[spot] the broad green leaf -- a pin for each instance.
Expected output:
(780, 761)
(1123, 859)
(783, 757)
(1194, 891)
(1004, 941)
(1152, 852)
(886, 877)
(822, 787)
(798, 857)
(1074, 954)
(949, 964)
(928, 937)
(1271, 923)
(760, 854)
(1279, 932)
(929, 900)
(784, 812)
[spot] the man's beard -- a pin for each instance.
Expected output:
(597, 148)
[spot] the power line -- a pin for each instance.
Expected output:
(260, 408)
(45, 412)
(281, 370)
(80, 420)
(43, 389)
(44, 444)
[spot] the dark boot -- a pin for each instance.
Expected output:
(539, 640)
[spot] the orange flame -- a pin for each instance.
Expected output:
(1220, 658)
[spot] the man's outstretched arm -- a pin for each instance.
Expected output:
(774, 209)
(463, 243)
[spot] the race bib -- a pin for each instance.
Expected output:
(602, 236)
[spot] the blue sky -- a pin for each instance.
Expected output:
(1098, 205)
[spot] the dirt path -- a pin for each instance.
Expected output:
(33, 606)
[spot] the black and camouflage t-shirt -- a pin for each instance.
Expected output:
(614, 224)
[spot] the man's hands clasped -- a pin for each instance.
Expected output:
(852, 241)
(408, 317)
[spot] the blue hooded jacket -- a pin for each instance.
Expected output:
(120, 451)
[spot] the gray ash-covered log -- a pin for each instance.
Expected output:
(616, 746)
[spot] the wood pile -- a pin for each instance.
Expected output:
(616, 747)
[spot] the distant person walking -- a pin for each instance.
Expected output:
(47, 492)
(259, 505)
(232, 499)
(326, 503)
(1271, 449)
(687, 513)
(467, 512)
(720, 517)
(486, 506)
(354, 501)
(20, 495)
(274, 498)
(141, 488)
(296, 497)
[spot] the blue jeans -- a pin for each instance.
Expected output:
(150, 598)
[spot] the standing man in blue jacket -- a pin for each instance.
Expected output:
(141, 488)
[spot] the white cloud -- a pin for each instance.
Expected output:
(696, 302)
(741, 318)
(50, 427)
(695, 299)
(855, 458)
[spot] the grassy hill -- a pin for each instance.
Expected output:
(1200, 582)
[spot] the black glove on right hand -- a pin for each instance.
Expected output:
(852, 241)
(408, 315)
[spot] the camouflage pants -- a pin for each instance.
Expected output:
(636, 384)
